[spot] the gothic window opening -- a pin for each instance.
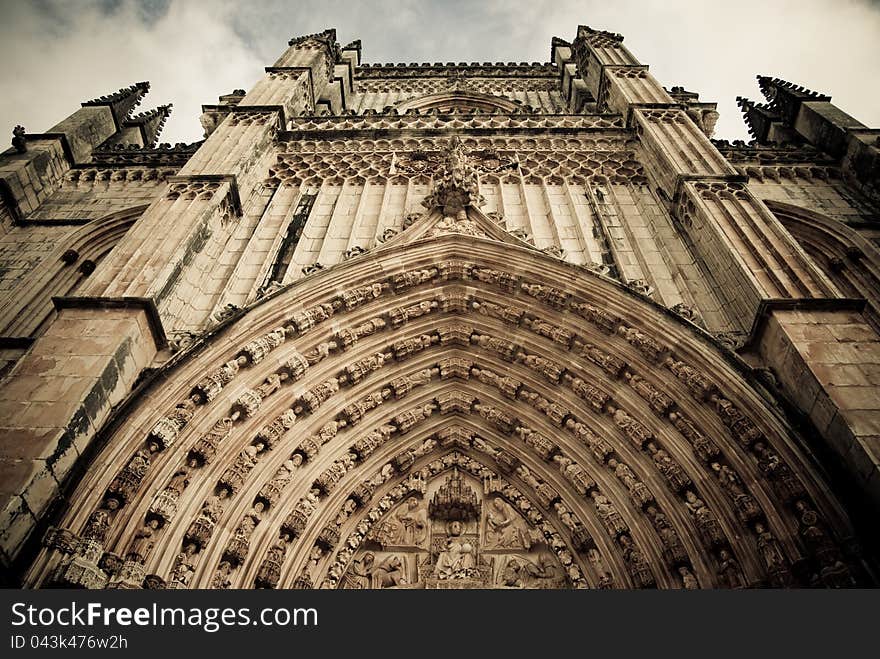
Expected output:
(294, 231)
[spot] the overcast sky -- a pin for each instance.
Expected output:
(57, 54)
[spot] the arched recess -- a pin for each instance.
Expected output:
(849, 257)
(461, 101)
(30, 306)
(625, 445)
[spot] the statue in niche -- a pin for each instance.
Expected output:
(504, 527)
(411, 524)
(457, 559)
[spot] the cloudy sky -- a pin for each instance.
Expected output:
(59, 53)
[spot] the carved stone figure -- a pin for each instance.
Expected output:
(412, 523)
(457, 559)
(504, 527)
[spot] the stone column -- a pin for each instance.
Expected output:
(154, 281)
(776, 292)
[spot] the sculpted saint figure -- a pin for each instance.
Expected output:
(412, 523)
(456, 560)
(503, 527)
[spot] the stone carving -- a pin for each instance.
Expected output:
(673, 473)
(729, 572)
(406, 420)
(745, 505)
(140, 546)
(333, 474)
(707, 523)
(787, 485)
(314, 397)
(271, 491)
(637, 489)
(310, 446)
(19, 139)
(608, 515)
(309, 318)
(593, 396)
(659, 401)
(129, 479)
(364, 446)
(542, 365)
(164, 506)
(743, 430)
(774, 559)
(704, 447)
(205, 448)
(598, 446)
(256, 350)
(575, 474)
(210, 386)
(508, 314)
(270, 435)
(457, 185)
(638, 567)
(402, 315)
(357, 296)
(403, 385)
(165, 431)
(358, 370)
(605, 321)
(700, 386)
(233, 478)
(201, 529)
(410, 524)
(505, 349)
(637, 432)
(644, 343)
(554, 297)
(537, 442)
(270, 568)
(505, 529)
(412, 278)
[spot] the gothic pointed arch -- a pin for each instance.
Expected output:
(461, 100)
(62, 271)
(461, 413)
(849, 257)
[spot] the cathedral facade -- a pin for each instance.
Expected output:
(442, 326)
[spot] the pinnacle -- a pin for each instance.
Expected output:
(123, 101)
(151, 123)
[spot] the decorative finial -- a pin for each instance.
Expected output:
(18, 139)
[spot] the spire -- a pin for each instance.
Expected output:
(150, 123)
(785, 98)
(123, 101)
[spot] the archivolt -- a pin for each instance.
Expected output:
(646, 456)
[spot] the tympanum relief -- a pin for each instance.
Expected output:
(457, 535)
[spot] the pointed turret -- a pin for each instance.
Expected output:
(122, 102)
(785, 98)
(759, 118)
(150, 123)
